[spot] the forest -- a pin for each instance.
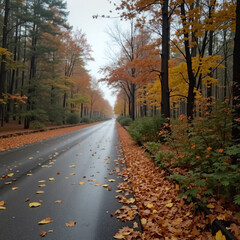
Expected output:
(43, 74)
(179, 80)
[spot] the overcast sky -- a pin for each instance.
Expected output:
(80, 16)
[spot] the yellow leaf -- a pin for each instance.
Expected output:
(111, 180)
(154, 211)
(72, 166)
(169, 205)
(34, 204)
(167, 188)
(51, 179)
(10, 174)
(40, 192)
(29, 174)
(50, 231)
(14, 188)
(72, 174)
(45, 221)
(210, 205)
(150, 205)
(105, 185)
(220, 236)
(177, 187)
(131, 200)
(143, 221)
(118, 236)
(71, 224)
(58, 201)
(2, 208)
(31, 158)
(81, 183)
(42, 181)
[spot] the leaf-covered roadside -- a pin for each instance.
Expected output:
(163, 214)
(18, 141)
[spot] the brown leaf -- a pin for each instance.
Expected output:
(71, 224)
(58, 201)
(27, 199)
(43, 233)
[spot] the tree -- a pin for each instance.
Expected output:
(236, 82)
(4, 57)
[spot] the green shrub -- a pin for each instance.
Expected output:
(73, 118)
(37, 125)
(125, 121)
(86, 119)
(147, 128)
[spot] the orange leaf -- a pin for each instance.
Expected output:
(71, 224)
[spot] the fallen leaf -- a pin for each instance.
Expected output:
(169, 205)
(42, 181)
(51, 179)
(81, 183)
(143, 221)
(58, 201)
(42, 185)
(71, 224)
(45, 221)
(34, 204)
(72, 174)
(150, 205)
(14, 188)
(107, 162)
(50, 231)
(211, 206)
(10, 174)
(111, 180)
(43, 233)
(109, 189)
(135, 225)
(72, 166)
(30, 158)
(2, 203)
(105, 185)
(29, 174)
(97, 184)
(58, 173)
(2, 208)
(40, 192)
(118, 236)
(220, 236)
(27, 199)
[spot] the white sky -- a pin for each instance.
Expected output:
(80, 16)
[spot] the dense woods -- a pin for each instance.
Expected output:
(43, 75)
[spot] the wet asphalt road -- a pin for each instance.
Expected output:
(87, 155)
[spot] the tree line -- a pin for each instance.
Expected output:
(175, 53)
(43, 74)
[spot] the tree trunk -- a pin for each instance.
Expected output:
(191, 77)
(165, 105)
(3, 62)
(236, 83)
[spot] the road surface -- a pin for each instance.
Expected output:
(71, 168)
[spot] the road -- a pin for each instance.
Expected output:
(71, 168)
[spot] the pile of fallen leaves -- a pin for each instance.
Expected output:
(18, 141)
(163, 215)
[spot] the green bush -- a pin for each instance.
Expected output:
(86, 119)
(147, 128)
(124, 121)
(37, 125)
(73, 118)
